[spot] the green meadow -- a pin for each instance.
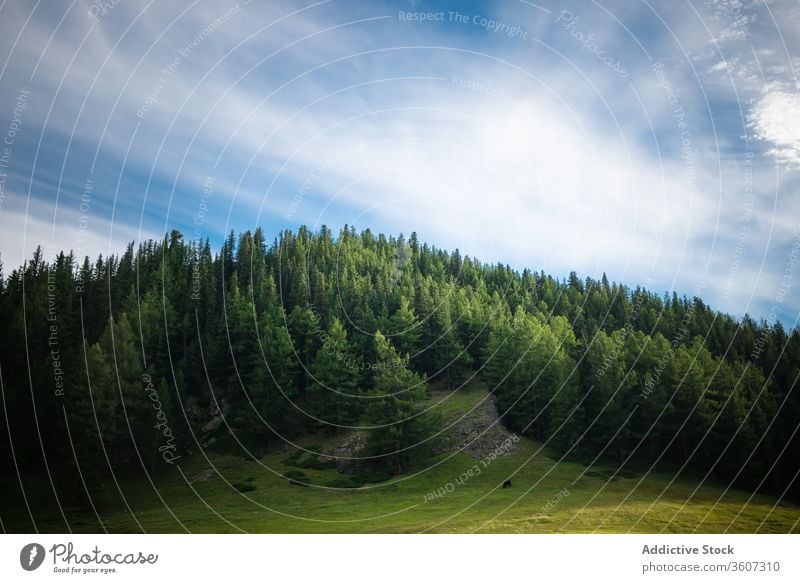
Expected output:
(216, 493)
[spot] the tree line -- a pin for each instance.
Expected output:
(118, 362)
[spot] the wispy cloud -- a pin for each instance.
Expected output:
(528, 151)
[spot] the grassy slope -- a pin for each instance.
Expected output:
(400, 506)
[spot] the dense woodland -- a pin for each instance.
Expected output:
(104, 362)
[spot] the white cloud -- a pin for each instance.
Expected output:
(85, 233)
(524, 184)
(775, 119)
(721, 66)
(563, 175)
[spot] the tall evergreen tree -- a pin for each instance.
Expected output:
(336, 372)
(396, 410)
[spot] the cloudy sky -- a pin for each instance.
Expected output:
(656, 142)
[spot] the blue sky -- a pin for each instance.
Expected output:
(658, 142)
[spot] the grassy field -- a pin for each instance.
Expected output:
(547, 496)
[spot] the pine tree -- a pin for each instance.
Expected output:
(396, 410)
(539, 342)
(403, 330)
(134, 411)
(334, 394)
(450, 360)
(91, 403)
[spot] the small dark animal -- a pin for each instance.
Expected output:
(506, 484)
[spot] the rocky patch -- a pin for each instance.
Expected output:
(204, 475)
(352, 446)
(478, 433)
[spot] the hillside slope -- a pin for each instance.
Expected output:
(225, 493)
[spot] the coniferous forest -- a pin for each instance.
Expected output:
(108, 363)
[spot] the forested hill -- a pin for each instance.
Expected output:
(314, 332)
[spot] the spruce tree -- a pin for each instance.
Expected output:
(334, 393)
(397, 410)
